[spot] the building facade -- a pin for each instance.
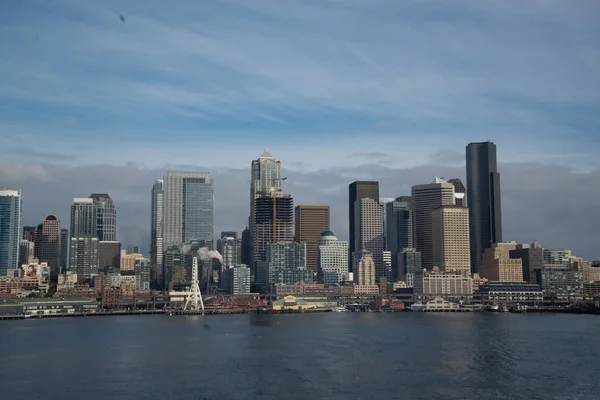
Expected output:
(274, 222)
(409, 262)
(438, 283)
(143, 271)
(366, 271)
(459, 192)
(231, 250)
(532, 258)
(156, 223)
(332, 259)
(109, 256)
(265, 180)
(368, 235)
(561, 283)
(357, 191)
(236, 280)
(48, 246)
(483, 198)
(399, 224)
(106, 216)
(84, 238)
(497, 266)
(427, 198)
(310, 221)
(285, 263)
(10, 227)
(26, 252)
(450, 229)
(188, 212)
(64, 249)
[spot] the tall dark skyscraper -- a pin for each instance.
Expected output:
(64, 249)
(359, 190)
(246, 247)
(106, 215)
(483, 198)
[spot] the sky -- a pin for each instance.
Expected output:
(337, 90)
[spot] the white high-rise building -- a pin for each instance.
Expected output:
(188, 212)
(10, 228)
(333, 259)
(84, 237)
(368, 235)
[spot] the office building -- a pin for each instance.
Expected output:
(531, 258)
(64, 249)
(357, 191)
(188, 212)
(310, 222)
(399, 224)
(384, 201)
(10, 228)
(556, 258)
(127, 261)
(142, 271)
(451, 239)
(284, 263)
(483, 199)
(441, 283)
(459, 192)
(109, 256)
(106, 217)
(425, 199)
(265, 180)
(83, 254)
(591, 272)
(365, 276)
(409, 262)
(511, 293)
(274, 222)
(368, 235)
(231, 250)
(229, 234)
(173, 266)
(133, 249)
(246, 247)
(26, 252)
(497, 266)
(29, 233)
(332, 259)
(156, 239)
(560, 283)
(47, 244)
(236, 280)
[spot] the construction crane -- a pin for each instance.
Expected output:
(272, 190)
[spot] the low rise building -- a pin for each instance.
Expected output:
(511, 293)
(441, 283)
(497, 266)
(560, 282)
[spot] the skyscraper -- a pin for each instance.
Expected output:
(84, 237)
(384, 201)
(450, 232)
(310, 222)
(26, 252)
(427, 198)
(29, 233)
(109, 256)
(399, 224)
(229, 234)
(48, 245)
(333, 259)
(265, 180)
(273, 222)
(459, 192)
(368, 233)
(10, 227)
(106, 217)
(483, 197)
(231, 250)
(64, 249)
(133, 249)
(284, 263)
(356, 191)
(188, 212)
(246, 247)
(156, 239)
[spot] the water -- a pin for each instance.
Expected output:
(319, 356)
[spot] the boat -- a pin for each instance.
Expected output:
(418, 306)
(339, 309)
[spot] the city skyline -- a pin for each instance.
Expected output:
(230, 206)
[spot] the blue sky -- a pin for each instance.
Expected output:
(314, 81)
(338, 90)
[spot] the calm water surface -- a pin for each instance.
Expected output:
(321, 356)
